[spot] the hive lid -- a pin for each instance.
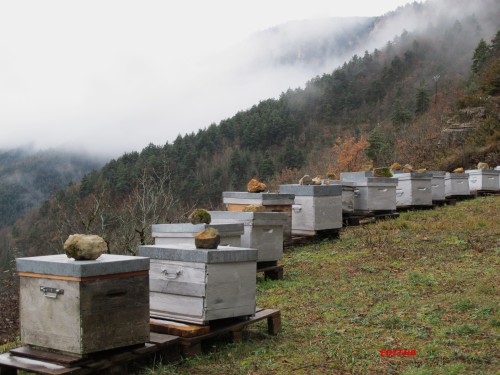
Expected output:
(189, 253)
(437, 173)
(265, 198)
(355, 176)
(249, 218)
(456, 175)
(483, 171)
(61, 265)
(340, 182)
(196, 228)
(413, 176)
(314, 190)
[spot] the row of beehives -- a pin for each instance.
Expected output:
(81, 307)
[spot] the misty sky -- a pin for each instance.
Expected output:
(111, 76)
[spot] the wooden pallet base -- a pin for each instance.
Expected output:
(485, 193)
(459, 197)
(438, 203)
(271, 269)
(358, 218)
(168, 347)
(116, 361)
(414, 207)
(191, 346)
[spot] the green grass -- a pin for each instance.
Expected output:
(426, 281)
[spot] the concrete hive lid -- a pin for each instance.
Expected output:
(413, 176)
(61, 265)
(312, 190)
(250, 218)
(189, 253)
(266, 198)
(222, 228)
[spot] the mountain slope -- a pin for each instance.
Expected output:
(390, 97)
(28, 178)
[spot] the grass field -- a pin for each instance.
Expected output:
(426, 282)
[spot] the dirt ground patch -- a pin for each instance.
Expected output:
(9, 309)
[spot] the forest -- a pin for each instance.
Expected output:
(390, 104)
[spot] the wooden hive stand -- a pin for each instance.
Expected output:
(192, 336)
(114, 361)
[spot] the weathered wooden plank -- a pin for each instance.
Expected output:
(163, 339)
(43, 355)
(177, 328)
(9, 362)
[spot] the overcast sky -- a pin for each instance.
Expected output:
(112, 76)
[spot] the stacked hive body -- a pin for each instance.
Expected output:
(316, 208)
(82, 307)
(176, 234)
(413, 189)
(483, 180)
(347, 194)
(263, 231)
(372, 193)
(456, 184)
(200, 285)
(271, 202)
(437, 186)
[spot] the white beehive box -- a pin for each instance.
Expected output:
(347, 194)
(262, 231)
(437, 186)
(199, 285)
(456, 184)
(317, 207)
(82, 307)
(175, 234)
(413, 189)
(483, 179)
(272, 202)
(372, 193)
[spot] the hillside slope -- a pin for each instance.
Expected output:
(390, 105)
(28, 178)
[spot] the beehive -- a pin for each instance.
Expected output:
(413, 189)
(347, 194)
(437, 186)
(483, 179)
(81, 307)
(316, 207)
(456, 184)
(272, 202)
(262, 231)
(200, 285)
(372, 193)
